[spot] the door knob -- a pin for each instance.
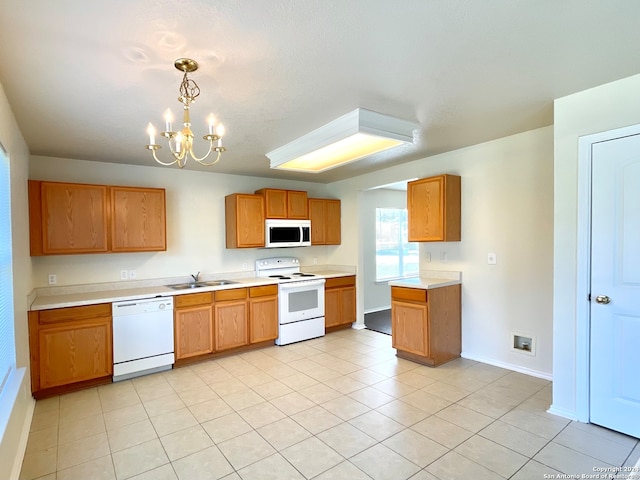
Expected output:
(603, 299)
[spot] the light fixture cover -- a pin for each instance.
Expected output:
(350, 137)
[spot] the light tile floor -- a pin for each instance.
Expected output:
(338, 407)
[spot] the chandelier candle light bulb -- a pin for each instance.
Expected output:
(151, 131)
(181, 142)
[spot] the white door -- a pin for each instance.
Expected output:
(615, 285)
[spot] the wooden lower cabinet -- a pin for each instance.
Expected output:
(230, 314)
(426, 324)
(263, 313)
(193, 325)
(340, 302)
(70, 348)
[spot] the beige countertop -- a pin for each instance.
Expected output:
(77, 295)
(429, 279)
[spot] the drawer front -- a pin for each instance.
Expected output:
(263, 291)
(74, 313)
(349, 281)
(409, 294)
(232, 294)
(192, 299)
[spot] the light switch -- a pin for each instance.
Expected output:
(492, 258)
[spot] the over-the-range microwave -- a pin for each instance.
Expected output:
(287, 233)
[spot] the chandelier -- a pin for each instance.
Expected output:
(181, 143)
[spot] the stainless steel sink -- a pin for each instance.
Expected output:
(213, 283)
(216, 283)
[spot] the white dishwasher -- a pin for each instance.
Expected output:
(142, 337)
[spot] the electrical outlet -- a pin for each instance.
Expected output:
(132, 274)
(244, 266)
(124, 274)
(492, 258)
(427, 257)
(444, 257)
(315, 260)
(53, 279)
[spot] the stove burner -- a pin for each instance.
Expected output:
(281, 277)
(300, 274)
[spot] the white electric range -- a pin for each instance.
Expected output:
(300, 299)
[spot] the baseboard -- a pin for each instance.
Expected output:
(508, 366)
(378, 309)
(24, 438)
(562, 412)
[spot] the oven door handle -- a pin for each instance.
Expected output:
(302, 284)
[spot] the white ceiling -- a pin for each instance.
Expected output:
(85, 77)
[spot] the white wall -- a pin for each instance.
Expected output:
(599, 109)
(12, 443)
(376, 296)
(195, 223)
(507, 208)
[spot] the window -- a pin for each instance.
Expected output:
(7, 340)
(395, 256)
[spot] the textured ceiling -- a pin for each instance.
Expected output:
(85, 77)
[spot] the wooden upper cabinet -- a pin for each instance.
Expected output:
(72, 218)
(138, 219)
(244, 220)
(433, 206)
(66, 218)
(284, 203)
(324, 214)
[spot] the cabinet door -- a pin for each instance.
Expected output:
(193, 331)
(332, 307)
(244, 219)
(230, 324)
(275, 202)
(263, 319)
(347, 305)
(333, 222)
(317, 217)
(297, 205)
(425, 207)
(71, 218)
(409, 327)
(138, 219)
(72, 352)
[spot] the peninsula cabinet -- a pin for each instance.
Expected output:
(263, 313)
(193, 324)
(425, 324)
(285, 203)
(230, 318)
(324, 214)
(339, 302)
(72, 218)
(433, 207)
(244, 220)
(70, 348)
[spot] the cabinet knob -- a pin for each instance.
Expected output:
(603, 299)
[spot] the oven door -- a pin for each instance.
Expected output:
(300, 300)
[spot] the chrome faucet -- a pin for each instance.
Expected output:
(195, 277)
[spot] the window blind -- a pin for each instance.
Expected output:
(7, 340)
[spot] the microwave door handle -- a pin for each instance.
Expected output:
(301, 233)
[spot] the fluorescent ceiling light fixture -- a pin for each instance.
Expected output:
(350, 137)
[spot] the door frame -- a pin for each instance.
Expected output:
(583, 265)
